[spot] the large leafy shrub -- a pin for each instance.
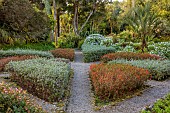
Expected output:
(4, 61)
(95, 46)
(159, 69)
(20, 52)
(128, 56)
(15, 100)
(68, 41)
(46, 78)
(111, 81)
(94, 52)
(161, 106)
(20, 20)
(64, 53)
(94, 39)
(161, 49)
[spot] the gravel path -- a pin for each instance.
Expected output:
(81, 99)
(156, 91)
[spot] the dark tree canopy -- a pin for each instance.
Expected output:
(20, 20)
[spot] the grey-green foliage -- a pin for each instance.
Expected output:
(49, 73)
(95, 46)
(159, 69)
(94, 39)
(94, 52)
(19, 52)
(161, 49)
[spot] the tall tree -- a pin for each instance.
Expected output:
(143, 22)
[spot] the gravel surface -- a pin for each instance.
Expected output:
(81, 99)
(156, 91)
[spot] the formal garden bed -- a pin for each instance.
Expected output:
(40, 75)
(123, 71)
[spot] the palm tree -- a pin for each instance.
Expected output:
(143, 22)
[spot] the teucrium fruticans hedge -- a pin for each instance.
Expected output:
(47, 76)
(19, 52)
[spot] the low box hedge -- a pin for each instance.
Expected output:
(20, 52)
(93, 53)
(46, 78)
(112, 81)
(63, 53)
(159, 69)
(128, 56)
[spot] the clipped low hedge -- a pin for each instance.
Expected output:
(93, 53)
(46, 78)
(128, 56)
(20, 52)
(4, 61)
(161, 106)
(15, 100)
(159, 69)
(63, 53)
(111, 81)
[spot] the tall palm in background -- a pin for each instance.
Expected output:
(143, 22)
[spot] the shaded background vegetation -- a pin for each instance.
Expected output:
(66, 23)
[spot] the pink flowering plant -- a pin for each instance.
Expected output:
(14, 99)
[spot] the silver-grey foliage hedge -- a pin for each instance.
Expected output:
(159, 69)
(49, 73)
(19, 52)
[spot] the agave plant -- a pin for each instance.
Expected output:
(143, 22)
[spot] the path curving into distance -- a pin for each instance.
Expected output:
(81, 99)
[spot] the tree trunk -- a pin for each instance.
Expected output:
(133, 3)
(75, 21)
(58, 22)
(55, 26)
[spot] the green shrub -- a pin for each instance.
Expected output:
(161, 106)
(68, 41)
(161, 49)
(107, 42)
(46, 78)
(80, 43)
(94, 39)
(112, 81)
(128, 56)
(15, 100)
(159, 69)
(95, 46)
(43, 46)
(129, 49)
(20, 52)
(94, 52)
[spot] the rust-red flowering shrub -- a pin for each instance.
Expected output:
(128, 56)
(112, 81)
(4, 61)
(63, 53)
